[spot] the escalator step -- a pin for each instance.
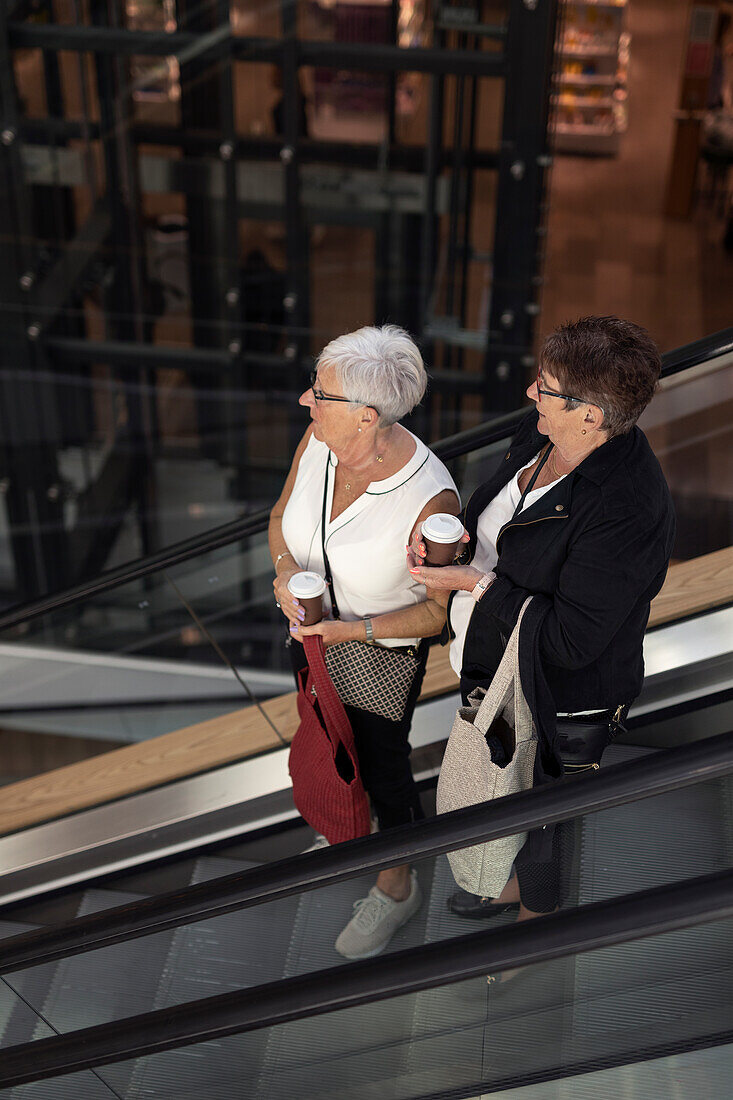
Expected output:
(658, 988)
(359, 1051)
(227, 953)
(83, 990)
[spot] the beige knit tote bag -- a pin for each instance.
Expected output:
(468, 775)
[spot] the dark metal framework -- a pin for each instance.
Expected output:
(438, 180)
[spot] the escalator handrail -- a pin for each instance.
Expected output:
(568, 798)
(679, 359)
(572, 931)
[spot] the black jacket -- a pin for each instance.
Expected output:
(595, 549)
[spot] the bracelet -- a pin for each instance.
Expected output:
(283, 555)
(481, 585)
(369, 630)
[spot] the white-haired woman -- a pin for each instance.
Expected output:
(379, 482)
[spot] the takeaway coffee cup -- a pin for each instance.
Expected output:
(441, 534)
(308, 589)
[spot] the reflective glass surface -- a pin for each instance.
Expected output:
(641, 845)
(616, 1006)
(689, 424)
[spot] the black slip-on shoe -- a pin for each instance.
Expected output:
(463, 904)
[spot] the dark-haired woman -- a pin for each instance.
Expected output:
(578, 515)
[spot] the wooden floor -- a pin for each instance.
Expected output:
(610, 247)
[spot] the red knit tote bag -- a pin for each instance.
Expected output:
(327, 788)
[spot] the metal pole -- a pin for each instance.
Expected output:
(522, 164)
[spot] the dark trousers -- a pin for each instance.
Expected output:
(540, 883)
(383, 751)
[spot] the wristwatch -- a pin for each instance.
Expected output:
(485, 582)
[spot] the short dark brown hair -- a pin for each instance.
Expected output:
(608, 362)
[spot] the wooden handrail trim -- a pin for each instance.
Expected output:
(695, 586)
(690, 588)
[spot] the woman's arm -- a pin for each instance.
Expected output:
(422, 620)
(611, 566)
(282, 559)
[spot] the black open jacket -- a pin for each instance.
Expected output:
(594, 550)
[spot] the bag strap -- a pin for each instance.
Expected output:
(337, 722)
(326, 562)
(508, 672)
(532, 480)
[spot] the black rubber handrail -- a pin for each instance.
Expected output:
(569, 932)
(699, 351)
(655, 774)
(178, 552)
(689, 355)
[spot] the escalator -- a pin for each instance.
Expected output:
(189, 844)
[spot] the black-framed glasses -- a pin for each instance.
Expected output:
(319, 395)
(566, 396)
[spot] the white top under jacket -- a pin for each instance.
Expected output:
(492, 519)
(366, 543)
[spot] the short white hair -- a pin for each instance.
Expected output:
(378, 366)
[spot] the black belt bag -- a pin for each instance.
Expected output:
(580, 740)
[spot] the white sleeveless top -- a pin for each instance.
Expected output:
(366, 543)
(498, 512)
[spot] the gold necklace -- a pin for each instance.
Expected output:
(380, 458)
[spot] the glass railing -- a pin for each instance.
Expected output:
(137, 459)
(159, 653)
(620, 1001)
(690, 427)
(619, 1005)
(185, 640)
(608, 1023)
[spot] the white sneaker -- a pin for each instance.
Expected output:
(376, 919)
(318, 842)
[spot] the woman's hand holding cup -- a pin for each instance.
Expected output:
(288, 604)
(419, 548)
(305, 595)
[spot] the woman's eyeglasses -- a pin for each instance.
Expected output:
(319, 395)
(566, 396)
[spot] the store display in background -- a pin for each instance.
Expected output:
(591, 111)
(346, 99)
(694, 90)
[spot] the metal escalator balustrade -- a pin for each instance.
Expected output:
(605, 1007)
(651, 775)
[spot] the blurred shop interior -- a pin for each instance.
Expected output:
(198, 196)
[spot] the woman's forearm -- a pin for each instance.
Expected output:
(422, 620)
(277, 543)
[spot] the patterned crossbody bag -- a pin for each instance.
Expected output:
(367, 675)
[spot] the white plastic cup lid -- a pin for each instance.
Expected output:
(442, 527)
(306, 585)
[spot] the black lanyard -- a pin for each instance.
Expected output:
(532, 480)
(326, 564)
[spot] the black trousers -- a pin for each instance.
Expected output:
(383, 751)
